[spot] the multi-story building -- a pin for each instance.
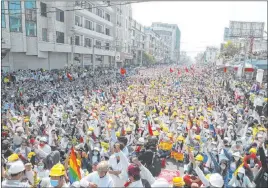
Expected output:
(156, 46)
(210, 55)
(137, 41)
(122, 30)
(52, 35)
(171, 34)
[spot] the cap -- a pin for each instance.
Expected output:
(178, 181)
(13, 157)
(133, 169)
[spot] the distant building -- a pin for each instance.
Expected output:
(172, 35)
(211, 54)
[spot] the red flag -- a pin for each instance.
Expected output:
(123, 132)
(122, 71)
(170, 70)
(225, 69)
(186, 69)
(69, 76)
(150, 129)
(179, 72)
(81, 140)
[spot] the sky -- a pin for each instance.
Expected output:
(201, 23)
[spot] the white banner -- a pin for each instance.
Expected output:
(259, 75)
(239, 71)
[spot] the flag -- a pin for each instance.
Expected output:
(69, 76)
(186, 70)
(225, 69)
(74, 170)
(122, 71)
(123, 132)
(150, 130)
(170, 70)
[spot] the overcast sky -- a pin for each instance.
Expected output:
(201, 23)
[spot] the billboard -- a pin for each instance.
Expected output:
(246, 29)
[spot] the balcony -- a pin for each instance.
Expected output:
(94, 34)
(89, 15)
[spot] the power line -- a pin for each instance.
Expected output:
(99, 6)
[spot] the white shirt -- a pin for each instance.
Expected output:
(14, 183)
(136, 184)
(100, 182)
(44, 151)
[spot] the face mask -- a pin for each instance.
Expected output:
(40, 167)
(54, 183)
(42, 145)
(223, 166)
(236, 158)
(95, 153)
(240, 175)
(69, 146)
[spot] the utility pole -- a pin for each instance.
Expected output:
(72, 49)
(93, 56)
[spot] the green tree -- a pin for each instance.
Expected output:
(148, 59)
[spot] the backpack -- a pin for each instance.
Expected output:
(155, 168)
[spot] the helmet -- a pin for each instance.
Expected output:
(13, 157)
(197, 137)
(43, 139)
(241, 170)
(57, 170)
(170, 135)
(96, 149)
(117, 133)
(253, 150)
(90, 128)
(128, 129)
(31, 154)
(178, 181)
(141, 140)
(161, 182)
(16, 167)
(180, 138)
(156, 133)
(216, 180)
(199, 158)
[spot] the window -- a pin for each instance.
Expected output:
(107, 17)
(99, 28)
(77, 40)
(60, 37)
(99, 12)
(30, 29)
(78, 21)
(98, 44)
(30, 18)
(88, 25)
(3, 18)
(107, 31)
(44, 34)
(88, 42)
(89, 7)
(43, 9)
(15, 16)
(107, 46)
(59, 15)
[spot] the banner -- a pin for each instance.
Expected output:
(259, 76)
(169, 175)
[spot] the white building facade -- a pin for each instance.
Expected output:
(137, 41)
(39, 34)
(171, 34)
(211, 55)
